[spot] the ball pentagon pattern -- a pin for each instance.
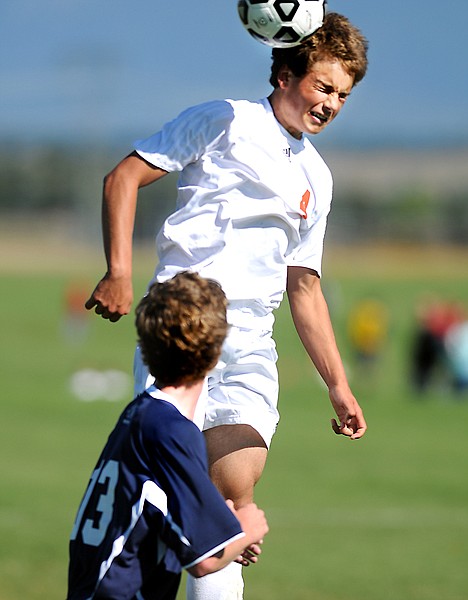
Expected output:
(281, 23)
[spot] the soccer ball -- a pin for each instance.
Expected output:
(281, 23)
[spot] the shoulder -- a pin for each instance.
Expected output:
(254, 114)
(200, 127)
(163, 425)
(248, 106)
(312, 156)
(207, 113)
(225, 111)
(312, 151)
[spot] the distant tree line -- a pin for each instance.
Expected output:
(412, 215)
(38, 181)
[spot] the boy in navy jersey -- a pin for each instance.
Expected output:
(150, 508)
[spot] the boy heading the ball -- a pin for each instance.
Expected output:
(253, 201)
(150, 507)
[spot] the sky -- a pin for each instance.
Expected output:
(96, 71)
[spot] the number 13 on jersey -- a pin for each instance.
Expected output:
(94, 529)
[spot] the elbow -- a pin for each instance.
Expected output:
(198, 571)
(108, 180)
(205, 567)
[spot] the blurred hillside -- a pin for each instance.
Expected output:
(391, 195)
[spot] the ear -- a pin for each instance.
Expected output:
(284, 76)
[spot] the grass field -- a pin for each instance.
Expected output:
(382, 518)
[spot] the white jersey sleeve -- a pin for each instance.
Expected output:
(310, 251)
(315, 207)
(186, 138)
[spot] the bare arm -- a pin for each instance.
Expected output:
(113, 295)
(312, 320)
(255, 527)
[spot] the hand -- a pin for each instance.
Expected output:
(249, 555)
(351, 420)
(255, 527)
(112, 298)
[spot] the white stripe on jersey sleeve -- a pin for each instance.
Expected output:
(154, 495)
(214, 550)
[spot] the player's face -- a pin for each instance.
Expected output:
(308, 104)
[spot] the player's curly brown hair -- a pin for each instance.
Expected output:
(336, 39)
(181, 325)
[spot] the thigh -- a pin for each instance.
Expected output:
(237, 455)
(243, 387)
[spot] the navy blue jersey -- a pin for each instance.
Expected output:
(150, 508)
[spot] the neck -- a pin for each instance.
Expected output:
(185, 397)
(274, 100)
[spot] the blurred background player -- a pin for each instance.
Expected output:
(367, 331)
(150, 507)
(252, 207)
(435, 317)
(456, 348)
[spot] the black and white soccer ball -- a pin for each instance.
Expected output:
(281, 23)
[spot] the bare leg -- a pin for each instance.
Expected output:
(237, 456)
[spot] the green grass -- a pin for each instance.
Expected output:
(382, 518)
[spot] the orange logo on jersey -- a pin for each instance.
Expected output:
(305, 203)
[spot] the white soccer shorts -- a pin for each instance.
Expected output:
(241, 389)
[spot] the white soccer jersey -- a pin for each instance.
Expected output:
(252, 200)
